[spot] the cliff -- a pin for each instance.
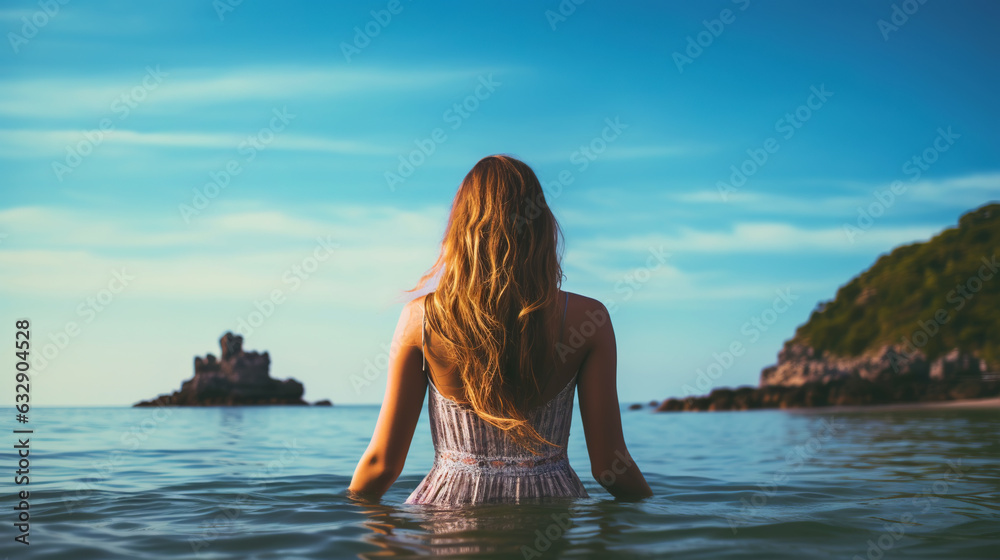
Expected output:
(921, 324)
(237, 378)
(927, 310)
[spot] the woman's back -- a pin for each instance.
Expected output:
(502, 353)
(476, 462)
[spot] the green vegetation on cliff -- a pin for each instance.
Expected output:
(934, 296)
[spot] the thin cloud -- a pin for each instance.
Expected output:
(232, 256)
(181, 88)
(623, 152)
(772, 237)
(658, 151)
(42, 227)
(15, 15)
(664, 282)
(966, 191)
(27, 142)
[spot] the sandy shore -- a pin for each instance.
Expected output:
(962, 403)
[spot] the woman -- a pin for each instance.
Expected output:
(491, 341)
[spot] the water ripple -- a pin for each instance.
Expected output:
(270, 482)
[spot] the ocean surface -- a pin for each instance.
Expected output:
(269, 482)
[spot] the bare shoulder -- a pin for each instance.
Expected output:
(586, 310)
(588, 326)
(590, 339)
(415, 306)
(408, 330)
(583, 303)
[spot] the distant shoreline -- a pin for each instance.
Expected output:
(992, 402)
(983, 403)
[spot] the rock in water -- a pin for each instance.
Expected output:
(239, 378)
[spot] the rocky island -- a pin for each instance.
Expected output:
(237, 378)
(921, 325)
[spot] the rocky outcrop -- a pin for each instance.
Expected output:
(956, 364)
(799, 364)
(237, 378)
(920, 324)
(848, 391)
(804, 377)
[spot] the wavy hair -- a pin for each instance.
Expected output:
(497, 294)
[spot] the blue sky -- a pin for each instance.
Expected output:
(121, 122)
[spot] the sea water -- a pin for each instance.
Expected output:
(269, 482)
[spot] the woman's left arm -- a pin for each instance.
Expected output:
(382, 462)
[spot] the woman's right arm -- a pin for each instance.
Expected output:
(610, 462)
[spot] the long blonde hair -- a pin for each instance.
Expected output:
(498, 292)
